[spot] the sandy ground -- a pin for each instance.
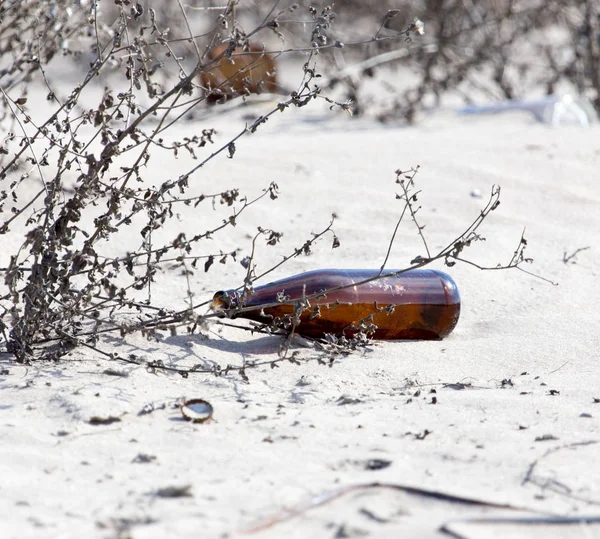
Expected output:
(515, 423)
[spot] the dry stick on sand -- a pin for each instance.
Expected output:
(553, 484)
(331, 495)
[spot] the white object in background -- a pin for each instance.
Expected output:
(552, 110)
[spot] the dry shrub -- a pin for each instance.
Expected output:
(73, 181)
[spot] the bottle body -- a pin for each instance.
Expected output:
(417, 304)
(251, 72)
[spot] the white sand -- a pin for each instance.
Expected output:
(284, 438)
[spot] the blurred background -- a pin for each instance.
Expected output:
(471, 51)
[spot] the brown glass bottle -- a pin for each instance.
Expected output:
(417, 304)
(245, 72)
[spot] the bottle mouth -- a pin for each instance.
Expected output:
(218, 303)
(223, 301)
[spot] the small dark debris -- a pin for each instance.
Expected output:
(174, 492)
(523, 427)
(260, 418)
(28, 384)
(152, 407)
(507, 382)
(432, 391)
(458, 386)
(124, 524)
(372, 516)
(343, 532)
(344, 399)
(596, 400)
(545, 438)
(417, 393)
(96, 420)
(62, 433)
(143, 458)
(4, 372)
(268, 439)
(115, 372)
(553, 392)
(422, 435)
(377, 464)
(585, 414)
(434, 400)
